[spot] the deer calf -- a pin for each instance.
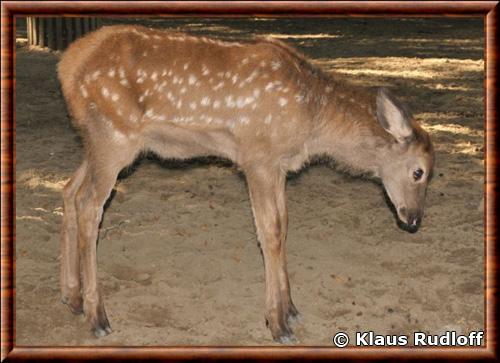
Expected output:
(261, 104)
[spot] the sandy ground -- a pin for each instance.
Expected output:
(178, 257)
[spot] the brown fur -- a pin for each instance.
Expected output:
(261, 104)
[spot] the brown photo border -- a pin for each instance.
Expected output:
(10, 9)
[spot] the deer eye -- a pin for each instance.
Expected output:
(417, 174)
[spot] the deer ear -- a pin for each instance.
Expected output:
(393, 117)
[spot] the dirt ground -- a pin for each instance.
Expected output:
(178, 257)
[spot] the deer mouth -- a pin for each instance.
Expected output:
(411, 228)
(409, 221)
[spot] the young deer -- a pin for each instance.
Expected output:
(261, 104)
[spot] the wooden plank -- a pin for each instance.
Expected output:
(51, 36)
(59, 33)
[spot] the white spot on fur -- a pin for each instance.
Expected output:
(119, 136)
(244, 120)
(230, 101)
(240, 102)
(186, 66)
(299, 98)
(205, 101)
(183, 90)
(192, 79)
(115, 97)
(268, 119)
(111, 73)
(275, 65)
(162, 85)
(83, 90)
(282, 101)
(269, 86)
(105, 92)
(154, 76)
(218, 86)
(95, 75)
(124, 82)
(192, 105)
(216, 104)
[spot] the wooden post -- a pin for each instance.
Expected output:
(41, 32)
(28, 32)
(34, 30)
(78, 28)
(86, 25)
(69, 31)
(51, 34)
(59, 34)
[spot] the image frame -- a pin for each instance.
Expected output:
(12, 9)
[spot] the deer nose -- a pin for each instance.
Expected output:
(413, 222)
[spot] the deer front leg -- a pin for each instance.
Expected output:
(70, 258)
(271, 233)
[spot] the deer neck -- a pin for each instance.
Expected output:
(348, 132)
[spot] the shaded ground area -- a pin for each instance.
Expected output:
(178, 258)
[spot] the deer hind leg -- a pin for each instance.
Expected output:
(90, 199)
(70, 258)
(262, 187)
(291, 311)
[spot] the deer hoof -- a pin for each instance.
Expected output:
(287, 339)
(283, 335)
(76, 307)
(102, 331)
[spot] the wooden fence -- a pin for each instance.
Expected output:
(58, 33)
